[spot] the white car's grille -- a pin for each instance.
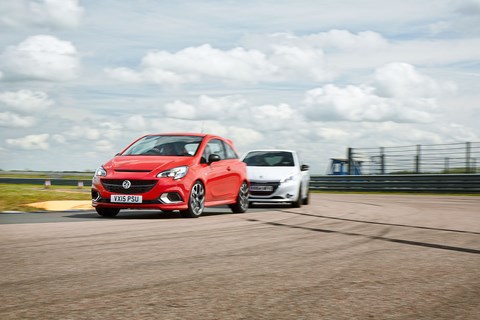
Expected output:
(263, 188)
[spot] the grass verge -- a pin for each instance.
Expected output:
(15, 197)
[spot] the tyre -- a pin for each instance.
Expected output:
(196, 201)
(307, 199)
(298, 203)
(107, 212)
(242, 200)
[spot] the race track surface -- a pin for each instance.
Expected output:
(341, 257)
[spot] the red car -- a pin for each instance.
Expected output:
(179, 171)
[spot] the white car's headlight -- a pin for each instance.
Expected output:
(175, 173)
(288, 178)
(100, 172)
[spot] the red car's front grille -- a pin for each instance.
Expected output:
(136, 186)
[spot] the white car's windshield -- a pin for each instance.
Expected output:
(164, 146)
(269, 159)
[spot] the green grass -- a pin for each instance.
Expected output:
(15, 197)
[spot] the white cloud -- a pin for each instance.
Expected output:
(331, 134)
(83, 132)
(399, 93)
(13, 120)
(104, 146)
(273, 117)
(59, 138)
(136, 122)
(243, 136)
(124, 74)
(180, 110)
(196, 64)
(192, 64)
(19, 107)
(47, 13)
(113, 130)
(41, 57)
(403, 80)
(298, 63)
(30, 142)
(208, 108)
(25, 100)
(360, 103)
(226, 107)
(332, 40)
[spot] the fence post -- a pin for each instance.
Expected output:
(382, 160)
(350, 161)
(417, 159)
(467, 157)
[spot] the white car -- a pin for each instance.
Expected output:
(277, 176)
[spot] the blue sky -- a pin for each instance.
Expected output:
(79, 80)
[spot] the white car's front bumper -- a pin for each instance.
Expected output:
(281, 192)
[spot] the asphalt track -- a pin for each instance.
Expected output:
(341, 257)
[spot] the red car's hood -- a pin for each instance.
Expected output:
(146, 163)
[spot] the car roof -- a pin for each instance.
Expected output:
(193, 134)
(270, 150)
(178, 134)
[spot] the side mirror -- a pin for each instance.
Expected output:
(213, 158)
(304, 167)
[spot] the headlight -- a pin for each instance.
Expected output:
(175, 173)
(290, 177)
(100, 172)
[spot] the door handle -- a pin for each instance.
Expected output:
(229, 169)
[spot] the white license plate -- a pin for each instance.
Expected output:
(261, 188)
(125, 199)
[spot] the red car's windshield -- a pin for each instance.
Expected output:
(165, 146)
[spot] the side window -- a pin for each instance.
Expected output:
(230, 154)
(214, 146)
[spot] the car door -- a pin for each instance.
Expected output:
(236, 171)
(219, 178)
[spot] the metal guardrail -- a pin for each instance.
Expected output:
(452, 158)
(436, 183)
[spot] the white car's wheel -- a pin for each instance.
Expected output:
(298, 203)
(306, 200)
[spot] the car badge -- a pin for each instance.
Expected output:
(126, 184)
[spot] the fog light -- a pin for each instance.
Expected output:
(289, 195)
(171, 197)
(95, 195)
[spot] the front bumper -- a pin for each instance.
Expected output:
(281, 193)
(157, 194)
